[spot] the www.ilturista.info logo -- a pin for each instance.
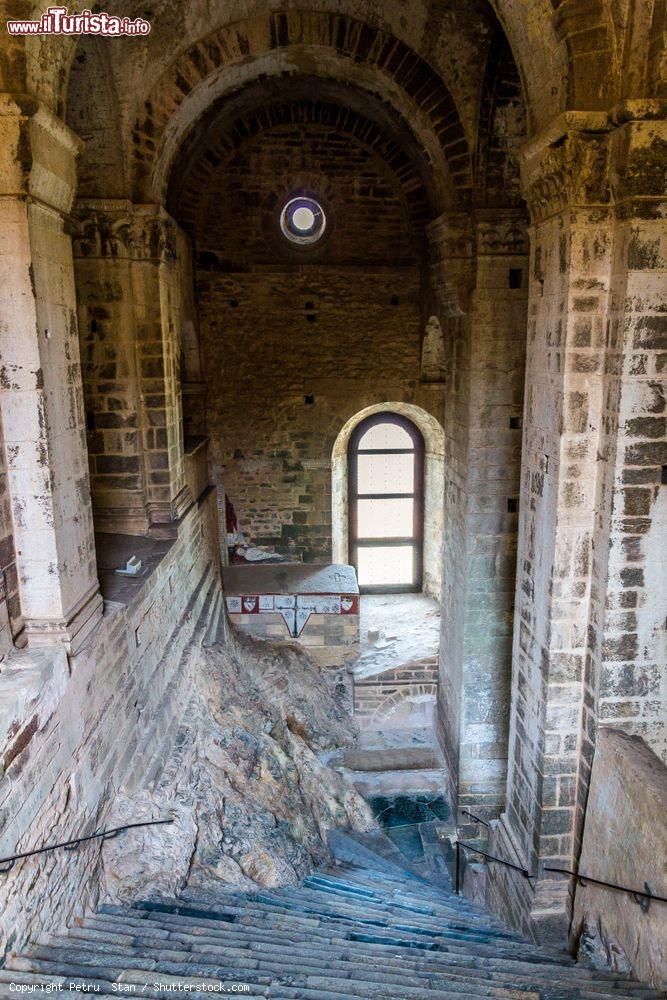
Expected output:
(57, 21)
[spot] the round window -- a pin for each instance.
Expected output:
(303, 221)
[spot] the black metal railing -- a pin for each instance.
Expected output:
(644, 897)
(477, 819)
(490, 857)
(6, 864)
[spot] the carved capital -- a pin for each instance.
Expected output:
(501, 232)
(450, 236)
(567, 166)
(120, 229)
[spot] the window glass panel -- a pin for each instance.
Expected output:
(386, 436)
(386, 473)
(385, 518)
(385, 565)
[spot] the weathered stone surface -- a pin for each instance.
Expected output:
(251, 800)
(624, 840)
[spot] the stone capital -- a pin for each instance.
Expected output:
(450, 235)
(38, 153)
(119, 229)
(567, 165)
(501, 231)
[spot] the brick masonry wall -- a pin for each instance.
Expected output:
(633, 682)
(486, 352)
(133, 276)
(264, 358)
(378, 698)
(98, 723)
(331, 640)
(497, 366)
(294, 343)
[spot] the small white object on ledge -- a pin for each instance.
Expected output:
(131, 568)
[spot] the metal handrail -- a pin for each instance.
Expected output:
(6, 864)
(489, 857)
(477, 819)
(637, 894)
(642, 897)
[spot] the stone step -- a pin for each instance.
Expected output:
(444, 908)
(94, 966)
(469, 963)
(373, 850)
(466, 940)
(209, 963)
(386, 918)
(303, 956)
(366, 927)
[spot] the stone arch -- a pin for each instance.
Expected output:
(407, 703)
(92, 113)
(219, 62)
(434, 458)
(592, 69)
(185, 189)
(501, 128)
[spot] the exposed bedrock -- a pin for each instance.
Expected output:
(250, 799)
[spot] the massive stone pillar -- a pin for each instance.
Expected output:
(633, 682)
(483, 429)
(40, 379)
(129, 294)
(450, 244)
(592, 451)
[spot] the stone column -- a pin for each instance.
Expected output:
(128, 281)
(40, 380)
(633, 682)
(498, 314)
(451, 245)
(481, 273)
(561, 566)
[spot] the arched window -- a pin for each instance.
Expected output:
(386, 503)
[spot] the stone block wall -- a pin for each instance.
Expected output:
(624, 842)
(486, 352)
(331, 640)
(633, 682)
(133, 276)
(10, 602)
(297, 341)
(91, 724)
(497, 366)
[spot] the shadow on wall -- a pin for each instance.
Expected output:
(434, 484)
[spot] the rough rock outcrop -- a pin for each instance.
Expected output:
(251, 800)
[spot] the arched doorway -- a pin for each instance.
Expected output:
(386, 504)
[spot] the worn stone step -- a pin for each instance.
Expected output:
(420, 918)
(303, 957)
(250, 925)
(208, 964)
(342, 899)
(317, 894)
(468, 963)
(374, 929)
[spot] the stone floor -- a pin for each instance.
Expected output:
(396, 629)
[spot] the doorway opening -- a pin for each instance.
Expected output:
(386, 504)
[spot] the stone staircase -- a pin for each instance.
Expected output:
(373, 924)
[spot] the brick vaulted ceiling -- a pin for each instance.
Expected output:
(303, 104)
